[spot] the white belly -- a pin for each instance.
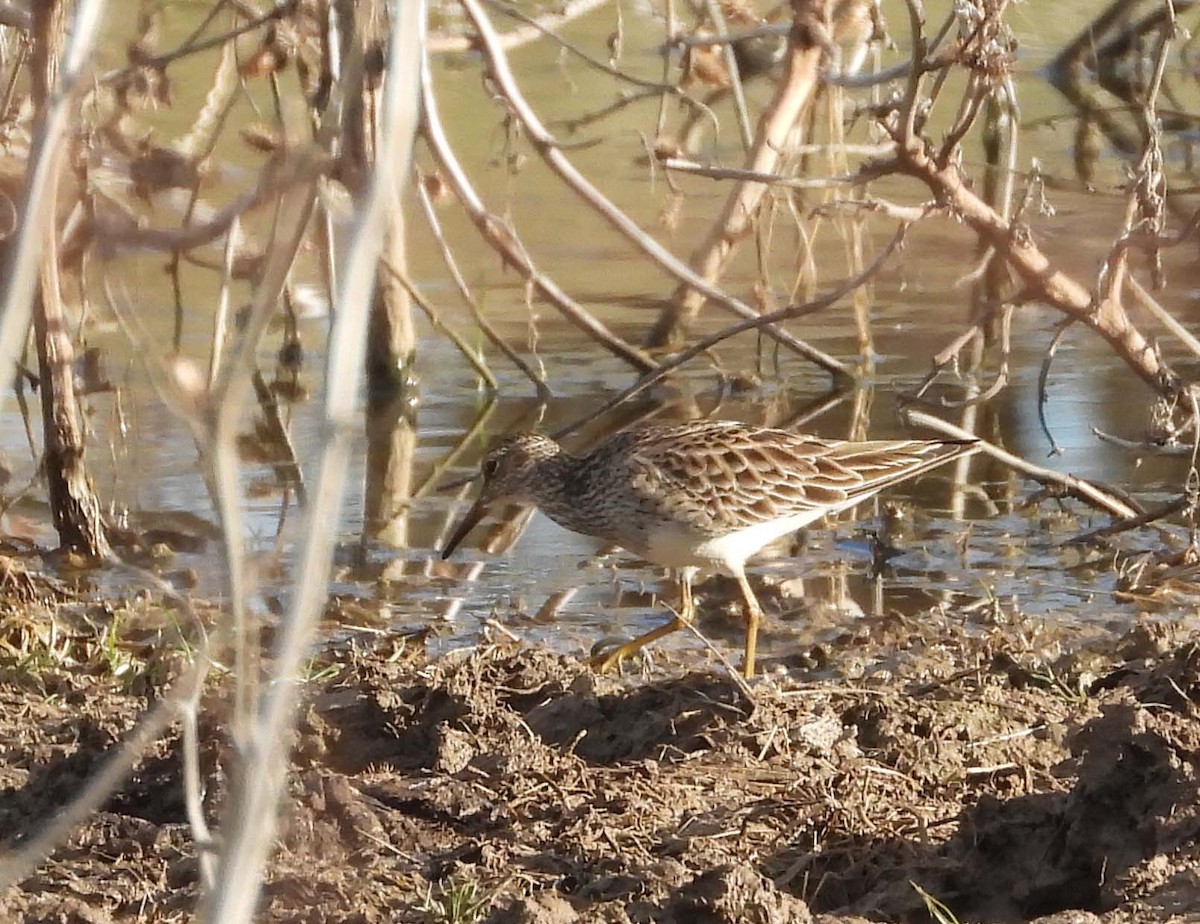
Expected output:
(676, 548)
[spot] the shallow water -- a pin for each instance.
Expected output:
(995, 544)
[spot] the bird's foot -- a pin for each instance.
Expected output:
(610, 654)
(607, 660)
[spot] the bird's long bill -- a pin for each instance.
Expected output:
(468, 523)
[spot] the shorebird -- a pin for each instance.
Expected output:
(703, 495)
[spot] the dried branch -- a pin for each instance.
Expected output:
(770, 179)
(539, 27)
(438, 324)
(1043, 396)
(435, 226)
(784, 314)
(951, 352)
(546, 146)
(1015, 244)
(503, 238)
(1089, 491)
(252, 813)
(652, 87)
(110, 236)
(20, 278)
(807, 44)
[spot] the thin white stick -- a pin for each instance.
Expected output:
(1081, 486)
(220, 326)
(251, 817)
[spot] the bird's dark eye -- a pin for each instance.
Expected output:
(489, 467)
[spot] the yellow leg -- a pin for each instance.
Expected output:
(613, 657)
(687, 606)
(753, 618)
(602, 663)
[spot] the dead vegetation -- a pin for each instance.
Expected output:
(996, 778)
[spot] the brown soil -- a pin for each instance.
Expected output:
(511, 785)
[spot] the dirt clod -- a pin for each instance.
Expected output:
(539, 908)
(733, 894)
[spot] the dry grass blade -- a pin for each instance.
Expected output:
(937, 909)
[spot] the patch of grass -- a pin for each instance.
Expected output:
(107, 641)
(317, 672)
(458, 901)
(1074, 693)
(118, 661)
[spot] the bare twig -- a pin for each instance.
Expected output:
(297, 170)
(546, 146)
(784, 314)
(1016, 246)
(435, 226)
(35, 220)
(252, 813)
(806, 49)
(769, 179)
(561, 16)
(1085, 490)
(438, 324)
(654, 87)
(1164, 317)
(1150, 516)
(1043, 396)
(504, 239)
(717, 17)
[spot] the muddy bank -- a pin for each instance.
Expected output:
(512, 785)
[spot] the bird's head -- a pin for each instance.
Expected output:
(514, 471)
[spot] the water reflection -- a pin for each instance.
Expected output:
(1000, 543)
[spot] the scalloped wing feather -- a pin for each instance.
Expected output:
(725, 476)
